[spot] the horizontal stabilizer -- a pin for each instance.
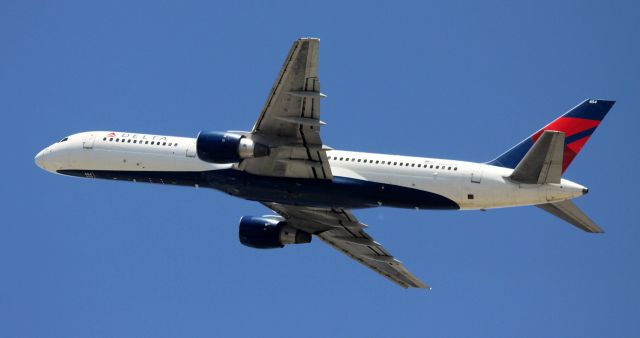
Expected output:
(569, 212)
(543, 162)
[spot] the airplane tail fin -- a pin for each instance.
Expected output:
(577, 125)
(543, 164)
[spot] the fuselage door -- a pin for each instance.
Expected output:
(88, 141)
(476, 175)
(191, 150)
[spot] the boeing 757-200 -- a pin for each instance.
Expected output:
(312, 188)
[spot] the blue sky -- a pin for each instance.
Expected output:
(463, 80)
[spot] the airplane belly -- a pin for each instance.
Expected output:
(344, 192)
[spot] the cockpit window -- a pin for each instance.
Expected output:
(64, 139)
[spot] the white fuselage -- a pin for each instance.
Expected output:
(470, 185)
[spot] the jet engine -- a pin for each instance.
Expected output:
(223, 147)
(269, 233)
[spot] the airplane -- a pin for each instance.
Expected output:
(312, 188)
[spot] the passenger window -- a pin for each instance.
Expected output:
(431, 166)
(449, 168)
(111, 139)
(359, 160)
(129, 141)
(455, 169)
(377, 161)
(419, 165)
(164, 143)
(395, 163)
(104, 139)
(117, 140)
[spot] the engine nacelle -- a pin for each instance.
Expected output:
(269, 233)
(222, 147)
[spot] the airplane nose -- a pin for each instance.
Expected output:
(39, 159)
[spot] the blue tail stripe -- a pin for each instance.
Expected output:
(579, 135)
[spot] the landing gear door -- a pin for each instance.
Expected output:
(88, 141)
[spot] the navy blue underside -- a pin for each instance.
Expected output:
(341, 192)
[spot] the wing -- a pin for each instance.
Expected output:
(340, 229)
(290, 120)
